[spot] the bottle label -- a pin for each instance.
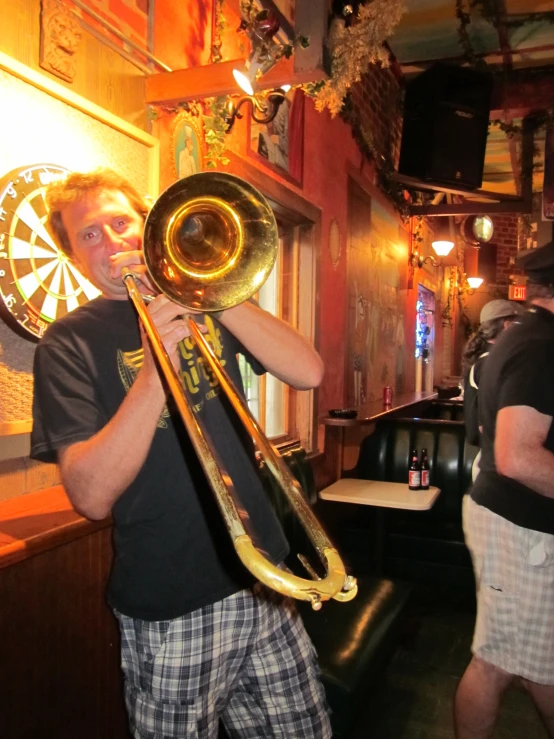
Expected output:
(424, 478)
(414, 478)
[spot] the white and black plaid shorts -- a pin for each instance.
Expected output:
(246, 659)
(514, 570)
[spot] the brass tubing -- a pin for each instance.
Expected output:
(237, 203)
(283, 582)
(336, 582)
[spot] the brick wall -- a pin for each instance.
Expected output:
(506, 239)
(376, 100)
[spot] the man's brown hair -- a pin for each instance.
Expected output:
(75, 188)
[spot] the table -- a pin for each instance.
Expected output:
(380, 494)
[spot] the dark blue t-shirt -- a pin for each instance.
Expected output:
(172, 551)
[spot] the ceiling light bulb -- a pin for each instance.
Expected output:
(442, 248)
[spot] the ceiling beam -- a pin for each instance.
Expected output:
(522, 92)
(211, 80)
(416, 184)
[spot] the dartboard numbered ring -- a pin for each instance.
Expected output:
(38, 284)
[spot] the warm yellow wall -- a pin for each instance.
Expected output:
(104, 79)
(102, 75)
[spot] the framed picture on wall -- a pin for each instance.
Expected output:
(188, 144)
(279, 145)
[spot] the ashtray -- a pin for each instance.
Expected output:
(343, 413)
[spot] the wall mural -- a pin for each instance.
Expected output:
(376, 316)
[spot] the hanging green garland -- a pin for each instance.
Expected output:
(352, 48)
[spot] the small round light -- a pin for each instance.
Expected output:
(483, 228)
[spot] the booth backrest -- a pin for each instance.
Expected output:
(385, 455)
(444, 410)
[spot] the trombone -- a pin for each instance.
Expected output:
(210, 242)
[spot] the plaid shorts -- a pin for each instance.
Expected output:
(246, 659)
(514, 570)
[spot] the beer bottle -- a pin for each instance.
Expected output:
(424, 469)
(414, 472)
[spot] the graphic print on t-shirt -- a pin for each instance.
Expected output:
(195, 374)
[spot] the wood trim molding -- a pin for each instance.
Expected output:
(33, 523)
(55, 90)
(283, 199)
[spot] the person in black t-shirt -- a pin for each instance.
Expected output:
(200, 640)
(496, 315)
(509, 516)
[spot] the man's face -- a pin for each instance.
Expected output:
(102, 224)
(189, 144)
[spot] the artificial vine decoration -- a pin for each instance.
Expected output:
(353, 48)
(220, 24)
(394, 191)
(215, 129)
(464, 20)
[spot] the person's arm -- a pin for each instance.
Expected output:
(97, 471)
(519, 450)
(282, 350)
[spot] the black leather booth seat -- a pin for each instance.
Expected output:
(423, 545)
(354, 640)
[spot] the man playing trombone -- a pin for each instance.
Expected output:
(201, 640)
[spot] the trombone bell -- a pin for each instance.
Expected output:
(210, 252)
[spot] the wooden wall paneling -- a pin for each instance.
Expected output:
(59, 646)
(102, 75)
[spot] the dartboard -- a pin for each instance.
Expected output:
(38, 283)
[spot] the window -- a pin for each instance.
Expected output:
(281, 411)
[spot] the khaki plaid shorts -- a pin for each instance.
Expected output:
(514, 571)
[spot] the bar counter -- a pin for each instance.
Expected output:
(336, 444)
(372, 411)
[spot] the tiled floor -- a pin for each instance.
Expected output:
(415, 702)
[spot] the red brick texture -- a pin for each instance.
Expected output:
(506, 239)
(376, 100)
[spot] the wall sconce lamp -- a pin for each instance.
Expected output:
(468, 285)
(418, 260)
(263, 107)
(442, 248)
(254, 68)
(474, 284)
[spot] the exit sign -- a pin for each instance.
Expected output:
(517, 292)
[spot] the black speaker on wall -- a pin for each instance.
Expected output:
(444, 132)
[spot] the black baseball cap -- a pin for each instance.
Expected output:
(538, 264)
